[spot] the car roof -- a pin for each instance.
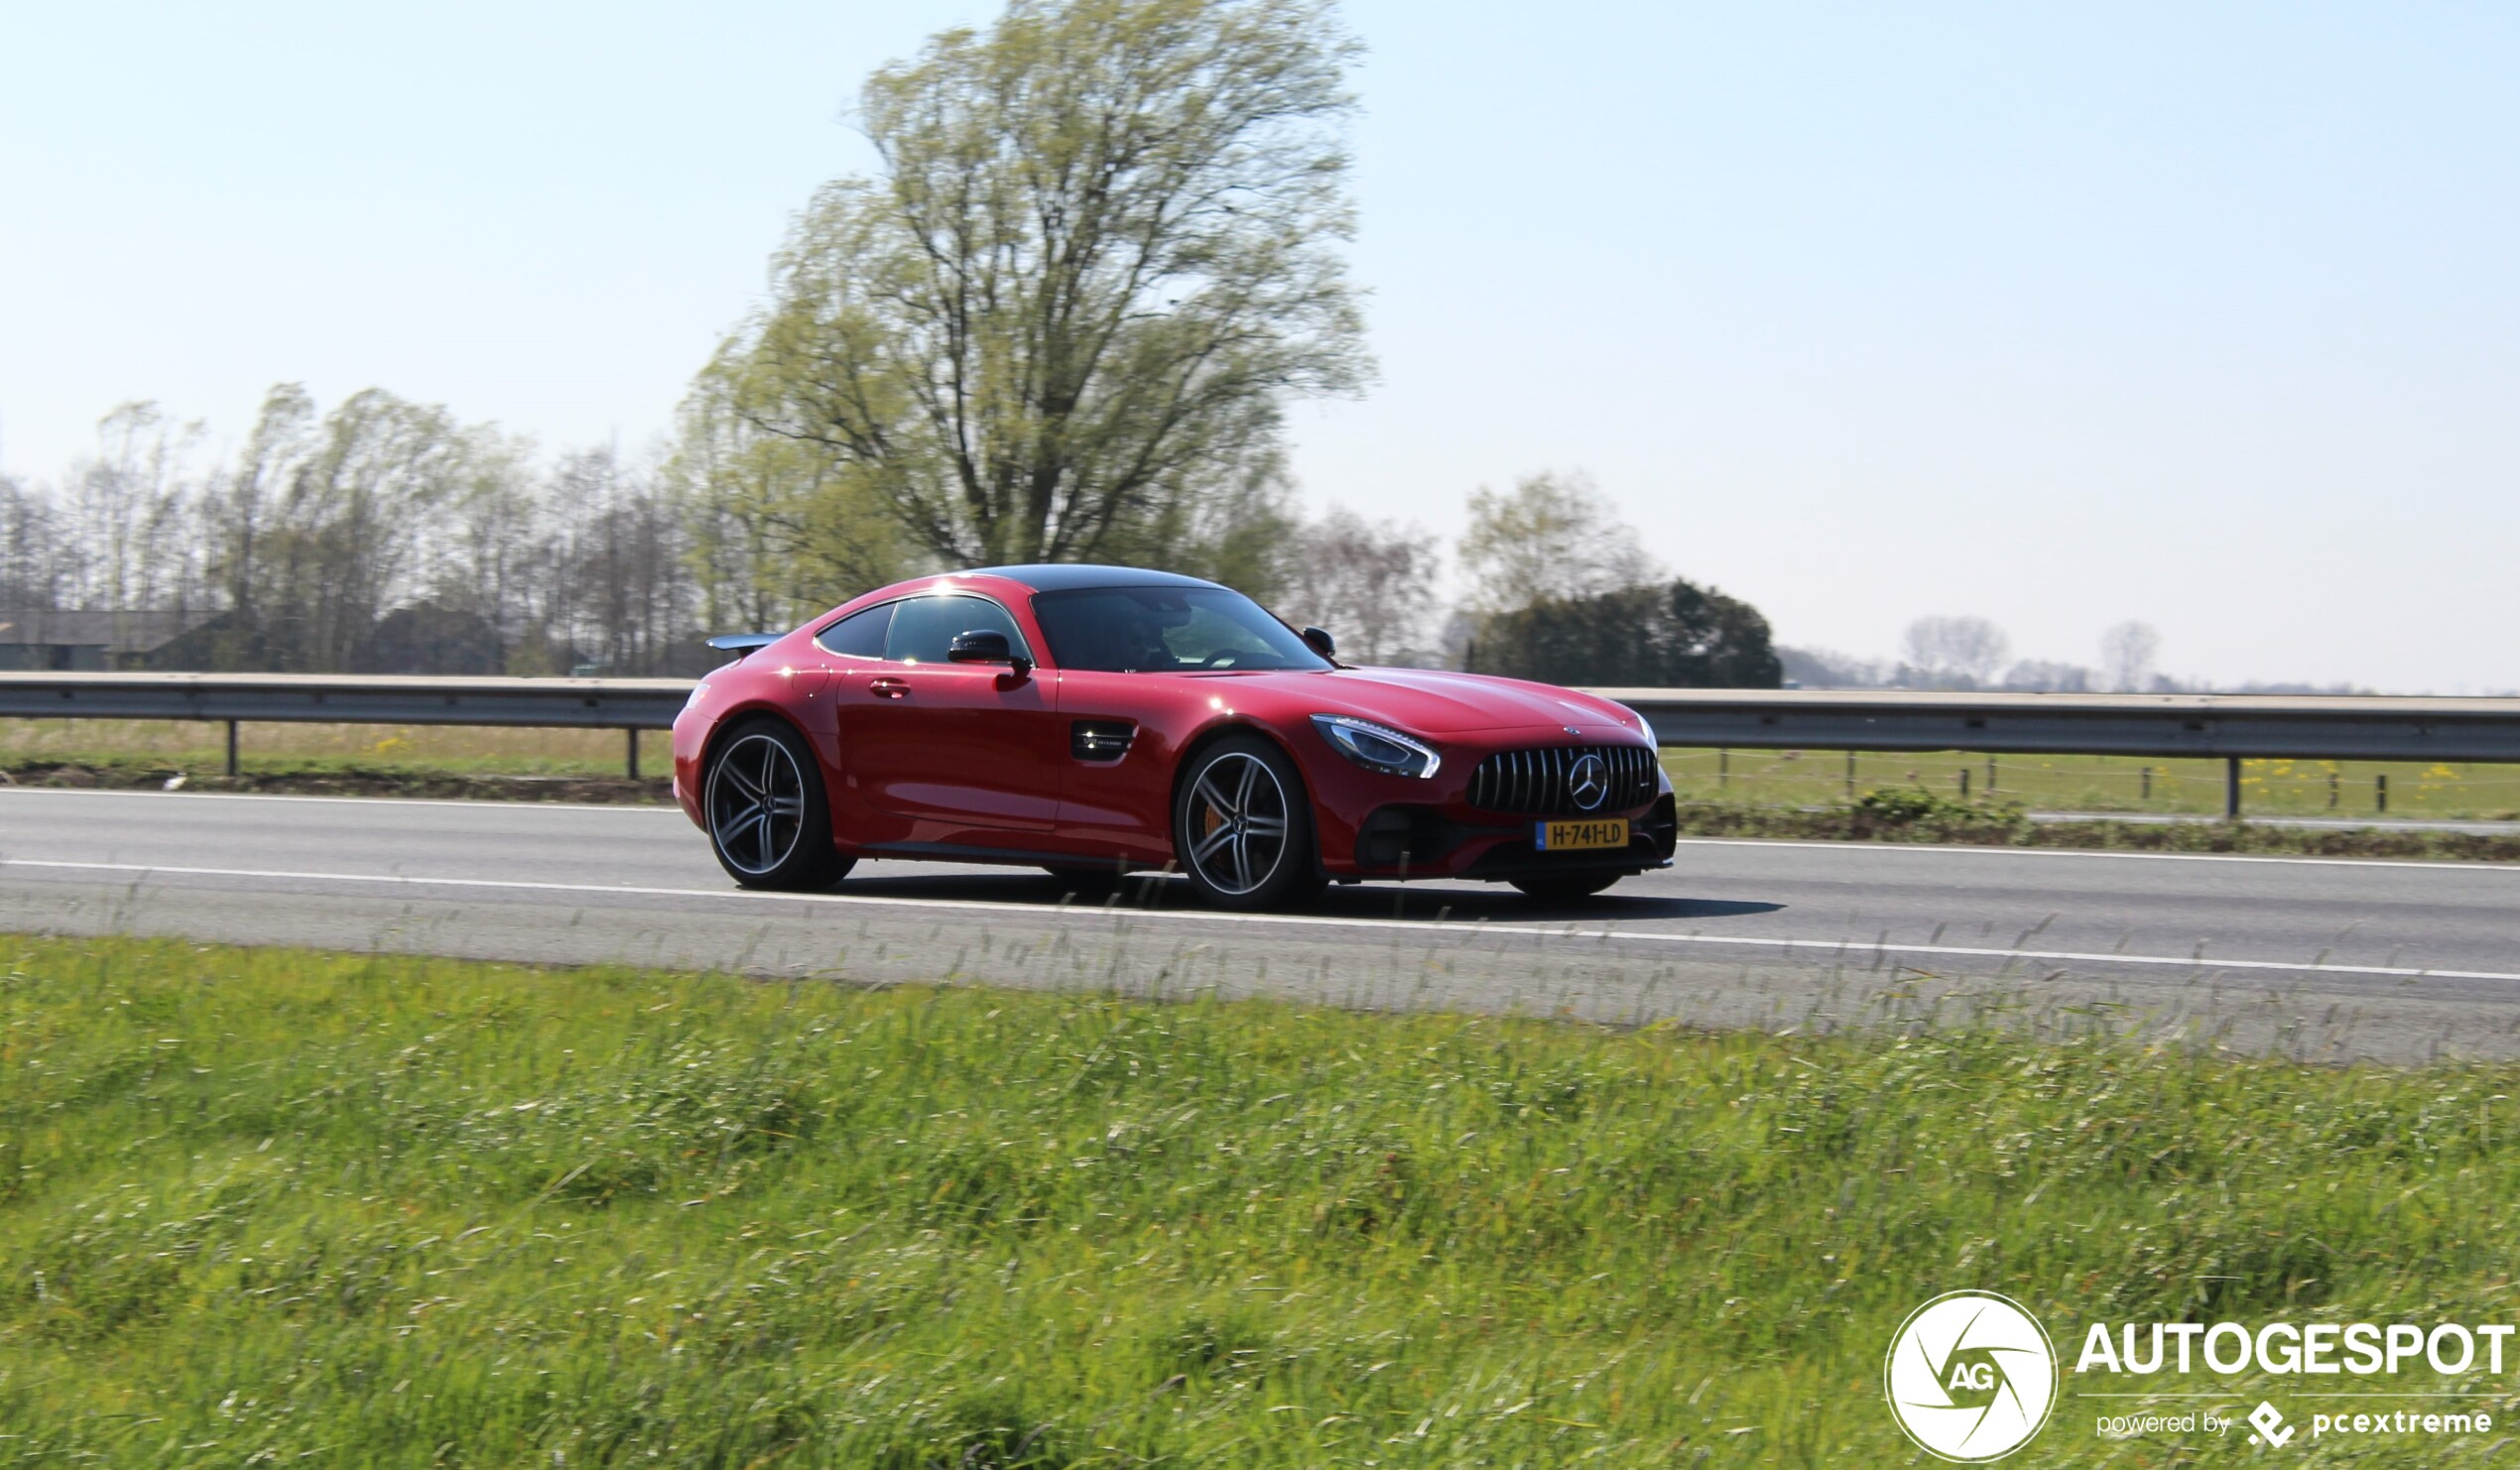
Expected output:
(1070, 576)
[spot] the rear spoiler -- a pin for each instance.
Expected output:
(740, 644)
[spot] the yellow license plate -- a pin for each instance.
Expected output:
(1570, 836)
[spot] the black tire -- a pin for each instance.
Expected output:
(1567, 888)
(1243, 825)
(769, 816)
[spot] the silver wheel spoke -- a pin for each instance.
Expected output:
(757, 804)
(1248, 841)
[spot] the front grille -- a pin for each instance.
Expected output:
(1538, 782)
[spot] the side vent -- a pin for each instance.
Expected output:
(1100, 741)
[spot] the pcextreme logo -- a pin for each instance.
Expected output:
(1970, 1377)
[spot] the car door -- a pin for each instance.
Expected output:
(946, 753)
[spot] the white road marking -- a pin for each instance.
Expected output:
(1848, 947)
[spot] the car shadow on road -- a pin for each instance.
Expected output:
(1424, 902)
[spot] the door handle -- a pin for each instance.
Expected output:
(889, 689)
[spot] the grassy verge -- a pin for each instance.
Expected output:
(199, 747)
(1916, 816)
(323, 778)
(2370, 790)
(260, 1207)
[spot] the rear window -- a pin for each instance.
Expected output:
(859, 634)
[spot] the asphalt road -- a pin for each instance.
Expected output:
(2314, 958)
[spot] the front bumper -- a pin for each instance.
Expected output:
(1410, 840)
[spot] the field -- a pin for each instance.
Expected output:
(200, 749)
(265, 1207)
(2348, 790)
(1744, 777)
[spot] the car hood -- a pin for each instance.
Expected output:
(1433, 701)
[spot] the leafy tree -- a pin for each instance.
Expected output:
(1674, 636)
(778, 528)
(1551, 538)
(1098, 253)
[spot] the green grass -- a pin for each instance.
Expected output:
(274, 1207)
(201, 748)
(2101, 784)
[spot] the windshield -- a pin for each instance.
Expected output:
(1166, 630)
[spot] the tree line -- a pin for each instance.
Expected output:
(1062, 319)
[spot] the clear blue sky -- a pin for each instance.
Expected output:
(2203, 314)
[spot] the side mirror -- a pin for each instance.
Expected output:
(1319, 641)
(986, 646)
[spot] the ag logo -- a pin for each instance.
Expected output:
(1970, 1376)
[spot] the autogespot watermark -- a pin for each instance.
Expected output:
(1970, 1377)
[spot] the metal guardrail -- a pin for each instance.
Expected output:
(2233, 727)
(626, 705)
(2242, 726)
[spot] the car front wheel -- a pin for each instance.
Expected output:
(1242, 827)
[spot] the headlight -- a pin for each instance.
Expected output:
(1377, 747)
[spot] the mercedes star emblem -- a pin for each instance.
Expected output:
(1588, 781)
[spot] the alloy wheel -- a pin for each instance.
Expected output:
(756, 804)
(1238, 823)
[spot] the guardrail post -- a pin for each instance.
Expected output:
(2231, 789)
(633, 743)
(231, 748)
(2380, 789)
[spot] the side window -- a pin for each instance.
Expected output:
(924, 627)
(859, 634)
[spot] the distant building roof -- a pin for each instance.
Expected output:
(116, 631)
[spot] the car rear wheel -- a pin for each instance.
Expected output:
(1566, 888)
(1242, 827)
(768, 820)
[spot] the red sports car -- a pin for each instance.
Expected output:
(1096, 720)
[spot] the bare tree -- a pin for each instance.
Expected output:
(127, 540)
(2127, 652)
(31, 573)
(1370, 582)
(1955, 649)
